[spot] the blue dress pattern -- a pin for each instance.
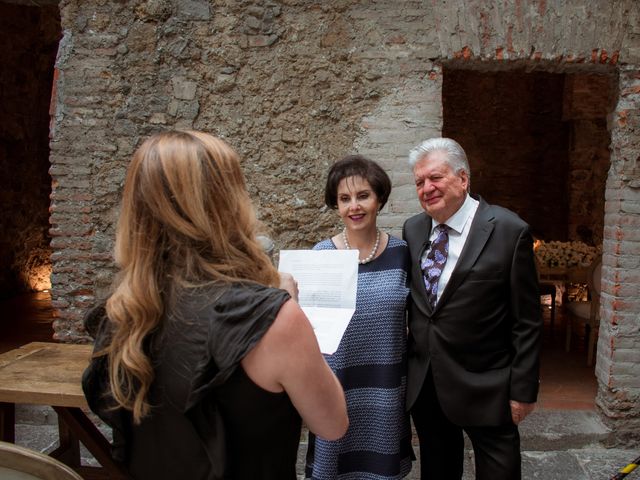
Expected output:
(371, 365)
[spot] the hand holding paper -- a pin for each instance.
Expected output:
(288, 283)
(327, 283)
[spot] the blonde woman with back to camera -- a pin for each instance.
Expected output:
(202, 366)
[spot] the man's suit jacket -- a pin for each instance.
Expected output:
(482, 339)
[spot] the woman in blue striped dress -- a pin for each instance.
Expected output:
(371, 358)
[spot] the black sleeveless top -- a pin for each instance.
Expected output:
(208, 419)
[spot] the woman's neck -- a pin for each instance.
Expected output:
(365, 254)
(362, 240)
(369, 244)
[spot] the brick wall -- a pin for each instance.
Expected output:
(618, 362)
(294, 86)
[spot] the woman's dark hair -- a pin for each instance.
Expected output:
(357, 166)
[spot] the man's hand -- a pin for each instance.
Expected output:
(288, 283)
(520, 410)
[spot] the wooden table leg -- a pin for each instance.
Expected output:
(69, 449)
(8, 422)
(84, 430)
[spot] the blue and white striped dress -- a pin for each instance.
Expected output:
(371, 365)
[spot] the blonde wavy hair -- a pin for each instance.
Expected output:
(186, 220)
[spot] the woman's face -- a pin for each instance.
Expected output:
(358, 204)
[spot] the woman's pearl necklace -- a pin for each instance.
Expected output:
(373, 251)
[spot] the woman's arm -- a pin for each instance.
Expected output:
(288, 358)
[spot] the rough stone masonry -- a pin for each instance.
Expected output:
(295, 84)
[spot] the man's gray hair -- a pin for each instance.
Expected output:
(455, 158)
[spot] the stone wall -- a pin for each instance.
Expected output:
(293, 86)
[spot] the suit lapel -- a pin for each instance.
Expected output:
(417, 246)
(479, 233)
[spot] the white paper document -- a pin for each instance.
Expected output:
(327, 284)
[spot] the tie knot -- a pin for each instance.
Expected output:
(443, 228)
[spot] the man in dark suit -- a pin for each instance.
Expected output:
(474, 321)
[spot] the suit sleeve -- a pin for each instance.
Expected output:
(527, 326)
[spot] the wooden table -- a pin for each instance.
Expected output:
(552, 274)
(564, 274)
(50, 374)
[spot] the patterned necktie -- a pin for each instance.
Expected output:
(434, 262)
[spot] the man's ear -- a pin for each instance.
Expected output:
(465, 179)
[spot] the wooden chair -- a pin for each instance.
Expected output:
(586, 311)
(19, 463)
(547, 288)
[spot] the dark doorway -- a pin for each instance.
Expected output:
(30, 33)
(511, 125)
(538, 144)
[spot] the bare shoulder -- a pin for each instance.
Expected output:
(289, 322)
(289, 335)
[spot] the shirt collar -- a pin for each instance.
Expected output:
(458, 220)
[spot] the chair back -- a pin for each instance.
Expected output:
(595, 276)
(19, 463)
(595, 286)
(579, 275)
(588, 311)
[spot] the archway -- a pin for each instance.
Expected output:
(30, 36)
